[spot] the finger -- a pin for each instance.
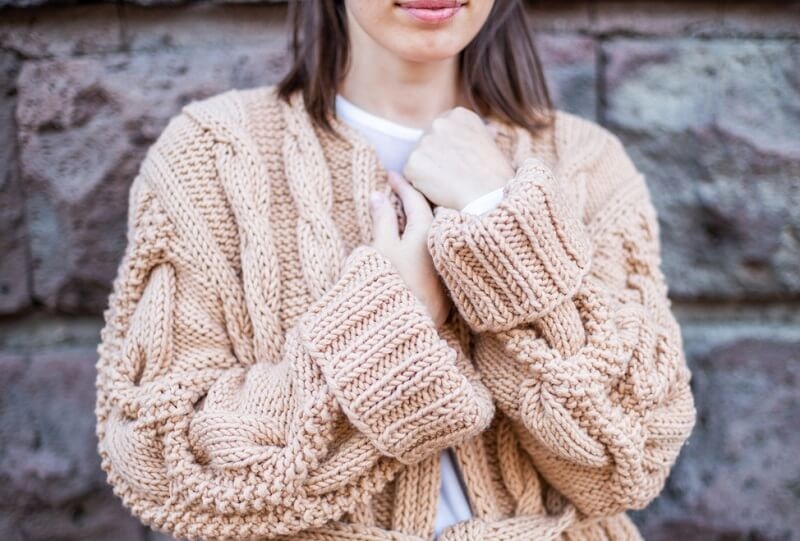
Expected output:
(415, 205)
(466, 115)
(384, 218)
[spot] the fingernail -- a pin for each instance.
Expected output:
(375, 199)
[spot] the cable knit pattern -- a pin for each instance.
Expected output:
(574, 333)
(264, 373)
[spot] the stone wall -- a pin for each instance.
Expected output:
(706, 96)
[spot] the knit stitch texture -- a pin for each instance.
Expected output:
(264, 372)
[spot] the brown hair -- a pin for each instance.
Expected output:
(499, 69)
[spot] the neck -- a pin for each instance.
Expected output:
(406, 92)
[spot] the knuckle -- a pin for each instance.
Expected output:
(439, 123)
(468, 115)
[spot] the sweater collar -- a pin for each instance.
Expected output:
(506, 135)
(316, 149)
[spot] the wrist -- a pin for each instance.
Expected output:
(472, 198)
(493, 182)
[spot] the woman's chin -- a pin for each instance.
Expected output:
(427, 56)
(427, 49)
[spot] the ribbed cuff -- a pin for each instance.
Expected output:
(517, 262)
(395, 378)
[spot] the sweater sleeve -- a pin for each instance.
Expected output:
(574, 333)
(202, 440)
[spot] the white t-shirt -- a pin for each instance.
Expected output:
(393, 143)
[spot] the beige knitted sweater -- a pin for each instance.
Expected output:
(265, 373)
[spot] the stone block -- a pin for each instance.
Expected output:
(84, 126)
(51, 484)
(738, 477)
(561, 17)
(773, 18)
(570, 65)
(657, 18)
(14, 268)
(767, 19)
(206, 25)
(61, 30)
(713, 125)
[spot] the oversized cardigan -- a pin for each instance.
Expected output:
(264, 372)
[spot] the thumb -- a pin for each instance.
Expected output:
(384, 218)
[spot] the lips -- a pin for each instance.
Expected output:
(431, 11)
(430, 4)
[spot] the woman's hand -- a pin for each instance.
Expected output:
(409, 252)
(457, 160)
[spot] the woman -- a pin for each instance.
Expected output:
(395, 296)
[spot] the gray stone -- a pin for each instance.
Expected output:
(14, 269)
(60, 31)
(48, 451)
(570, 64)
(40, 331)
(97, 517)
(677, 18)
(84, 125)
(665, 17)
(51, 484)
(773, 18)
(213, 26)
(158, 536)
(58, 3)
(561, 17)
(713, 125)
(738, 477)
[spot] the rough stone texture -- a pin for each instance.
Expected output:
(570, 64)
(772, 19)
(714, 125)
(707, 19)
(712, 120)
(213, 26)
(14, 290)
(739, 477)
(51, 485)
(658, 18)
(39, 331)
(559, 17)
(32, 34)
(84, 125)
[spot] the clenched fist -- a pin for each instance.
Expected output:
(457, 160)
